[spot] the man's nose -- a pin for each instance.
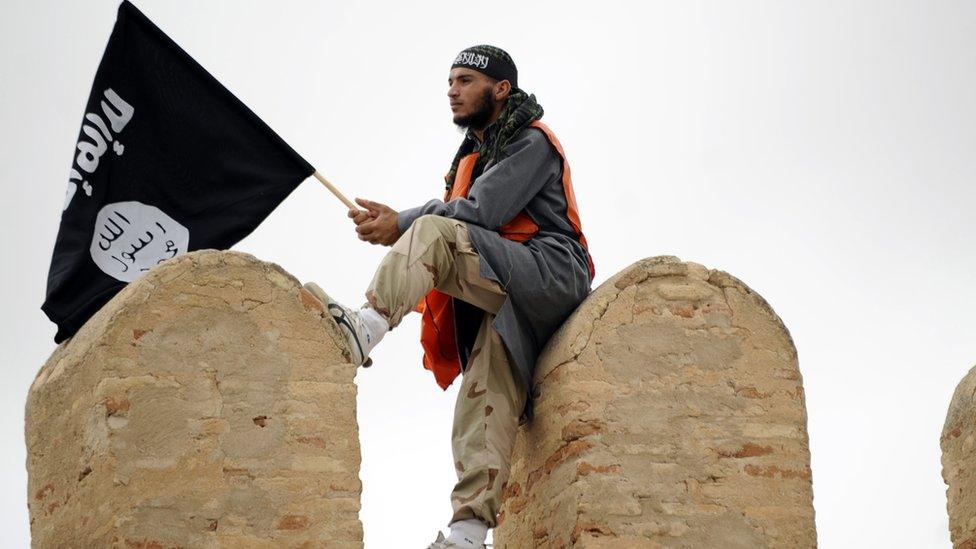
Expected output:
(452, 91)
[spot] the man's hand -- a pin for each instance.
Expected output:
(377, 224)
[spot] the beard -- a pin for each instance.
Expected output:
(478, 119)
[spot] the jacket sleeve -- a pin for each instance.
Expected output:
(503, 190)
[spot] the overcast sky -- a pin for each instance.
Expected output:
(821, 151)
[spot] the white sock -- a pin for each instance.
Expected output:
(468, 533)
(375, 321)
(376, 325)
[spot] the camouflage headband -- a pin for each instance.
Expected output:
(490, 61)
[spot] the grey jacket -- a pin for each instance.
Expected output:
(545, 277)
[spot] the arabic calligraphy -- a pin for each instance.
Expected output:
(131, 237)
(119, 113)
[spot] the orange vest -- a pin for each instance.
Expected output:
(437, 323)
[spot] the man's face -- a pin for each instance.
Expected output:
(470, 93)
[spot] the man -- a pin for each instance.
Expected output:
(495, 268)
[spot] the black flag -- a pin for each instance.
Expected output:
(167, 161)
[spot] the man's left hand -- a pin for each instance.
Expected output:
(382, 229)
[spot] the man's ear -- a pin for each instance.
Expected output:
(502, 89)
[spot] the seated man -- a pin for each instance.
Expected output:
(494, 268)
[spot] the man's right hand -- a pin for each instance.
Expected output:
(377, 224)
(360, 216)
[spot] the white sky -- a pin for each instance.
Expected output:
(821, 151)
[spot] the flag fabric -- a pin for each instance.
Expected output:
(167, 161)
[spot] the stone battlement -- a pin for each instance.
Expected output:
(211, 403)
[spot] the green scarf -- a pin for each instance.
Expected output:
(520, 110)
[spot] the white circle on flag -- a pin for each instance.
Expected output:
(131, 237)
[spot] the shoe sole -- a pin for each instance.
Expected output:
(320, 294)
(340, 318)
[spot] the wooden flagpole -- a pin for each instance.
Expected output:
(335, 191)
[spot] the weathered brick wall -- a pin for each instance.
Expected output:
(211, 404)
(208, 404)
(959, 463)
(670, 413)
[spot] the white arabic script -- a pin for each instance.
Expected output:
(131, 237)
(90, 151)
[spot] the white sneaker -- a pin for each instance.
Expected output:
(358, 335)
(443, 543)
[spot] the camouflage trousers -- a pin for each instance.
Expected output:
(436, 252)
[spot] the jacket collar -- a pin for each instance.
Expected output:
(487, 135)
